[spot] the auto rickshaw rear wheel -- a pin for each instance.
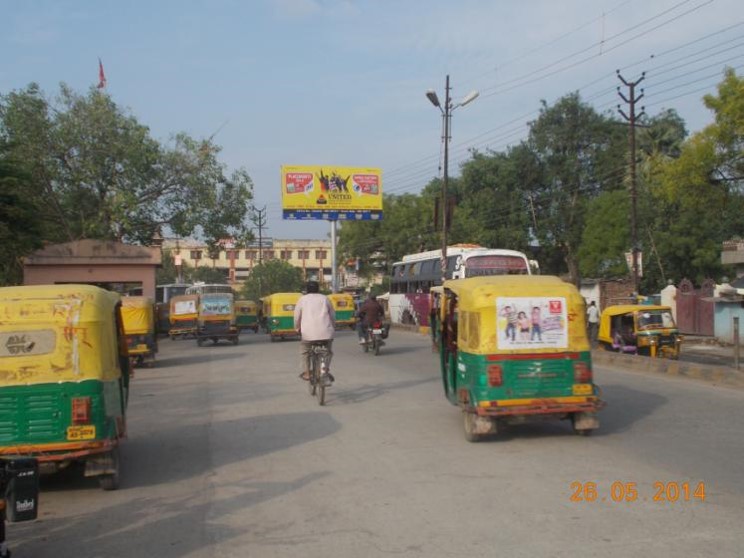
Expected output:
(111, 481)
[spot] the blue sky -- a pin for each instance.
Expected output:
(342, 82)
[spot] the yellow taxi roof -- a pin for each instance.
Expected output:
(96, 299)
(137, 301)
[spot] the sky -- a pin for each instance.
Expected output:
(343, 82)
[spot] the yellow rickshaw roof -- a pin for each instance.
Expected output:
(96, 298)
(481, 291)
(619, 309)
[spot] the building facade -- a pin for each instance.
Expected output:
(313, 257)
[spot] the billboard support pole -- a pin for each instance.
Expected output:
(334, 277)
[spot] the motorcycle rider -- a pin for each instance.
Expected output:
(370, 313)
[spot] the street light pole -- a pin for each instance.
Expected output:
(444, 205)
(446, 116)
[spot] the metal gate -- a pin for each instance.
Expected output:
(695, 316)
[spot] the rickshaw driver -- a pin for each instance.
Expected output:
(314, 319)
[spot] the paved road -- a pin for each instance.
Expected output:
(229, 456)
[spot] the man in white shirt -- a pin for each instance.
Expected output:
(592, 319)
(314, 319)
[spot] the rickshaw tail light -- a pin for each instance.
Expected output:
(80, 410)
(582, 372)
(495, 377)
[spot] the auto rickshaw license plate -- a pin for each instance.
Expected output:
(377, 331)
(583, 389)
(85, 432)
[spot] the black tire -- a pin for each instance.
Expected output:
(111, 481)
(320, 393)
(365, 347)
(214, 340)
(199, 341)
(376, 345)
(235, 340)
(469, 427)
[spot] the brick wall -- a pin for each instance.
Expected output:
(616, 291)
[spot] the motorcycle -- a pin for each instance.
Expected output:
(374, 338)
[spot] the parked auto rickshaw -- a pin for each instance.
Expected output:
(246, 315)
(184, 313)
(514, 349)
(639, 328)
(216, 318)
(64, 378)
(278, 310)
(138, 316)
(345, 310)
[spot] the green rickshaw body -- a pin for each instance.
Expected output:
(514, 349)
(246, 315)
(278, 311)
(344, 309)
(64, 377)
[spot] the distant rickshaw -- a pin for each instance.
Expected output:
(246, 315)
(216, 318)
(278, 310)
(514, 349)
(184, 314)
(138, 316)
(345, 309)
(64, 378)
(640, 328)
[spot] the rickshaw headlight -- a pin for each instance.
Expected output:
(582, 372)
(495, 376)
(80, 410)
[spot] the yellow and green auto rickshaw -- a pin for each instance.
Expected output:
(246, 315)
(345, 310)
(216, 318)
(64, 378)
(184, 313)
(640, 329)
(514, 349)
(278, 310)
(138, 317)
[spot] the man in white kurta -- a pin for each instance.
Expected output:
(314, 318)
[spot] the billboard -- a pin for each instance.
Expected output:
(331, 193)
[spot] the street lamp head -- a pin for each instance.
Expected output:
(432, 96)
(469, 98)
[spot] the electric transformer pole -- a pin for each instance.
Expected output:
(631, 101)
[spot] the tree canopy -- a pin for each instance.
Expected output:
(94, 171)
(272, 276)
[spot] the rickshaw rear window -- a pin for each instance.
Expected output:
(288, 307)
(216, 306)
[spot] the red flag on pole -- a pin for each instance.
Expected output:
(101, 75)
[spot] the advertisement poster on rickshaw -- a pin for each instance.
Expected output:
(184, 307)
(531, 323)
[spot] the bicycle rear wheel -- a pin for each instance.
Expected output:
(321, 387)
(312, 383)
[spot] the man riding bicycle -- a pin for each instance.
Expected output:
(314, 319)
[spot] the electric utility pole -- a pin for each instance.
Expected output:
(631, 101)
(260, 221)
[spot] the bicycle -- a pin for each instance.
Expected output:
(318, 367)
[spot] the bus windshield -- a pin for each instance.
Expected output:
(476, 266)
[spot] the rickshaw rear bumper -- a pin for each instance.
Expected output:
(56, 452)
(539, 407)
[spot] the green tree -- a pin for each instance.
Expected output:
(20, 231)
(701, 194)
(206, 275)
(407, 226)
(97, 173)
(578, 151)
(272, 276)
